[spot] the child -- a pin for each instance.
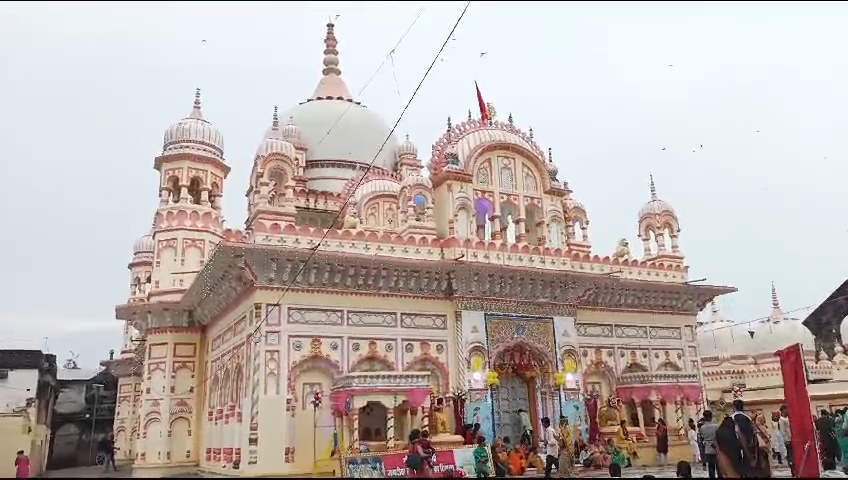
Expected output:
(427, 447)
(481, 458)
(21, 465)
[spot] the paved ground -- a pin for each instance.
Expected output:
(659, 472)
(87, 472)
(632, 472)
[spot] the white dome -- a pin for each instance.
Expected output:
(718, 336)
(774, 334)
(407, 148)
(355, 136)
(779, 331)
(194, 134)
(143, 249)
(274, 143)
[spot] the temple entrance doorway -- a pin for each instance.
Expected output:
(512, 395)
(524, 375)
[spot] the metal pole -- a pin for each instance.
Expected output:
(93, 422)
(314, 435)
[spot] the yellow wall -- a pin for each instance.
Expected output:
(14, 436)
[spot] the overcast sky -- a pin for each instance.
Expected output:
(87, 89)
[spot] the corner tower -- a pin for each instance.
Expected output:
(188, 222)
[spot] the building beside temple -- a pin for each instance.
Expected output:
(27, 395)
(467, 284)
(738, 361)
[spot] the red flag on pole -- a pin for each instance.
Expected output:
(804, 444)
(484, 112)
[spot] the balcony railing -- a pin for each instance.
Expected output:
(650, 378)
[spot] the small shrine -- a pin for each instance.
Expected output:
(377, 411)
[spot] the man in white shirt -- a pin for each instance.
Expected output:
(526, 427)
(783, 427)
(551, 443)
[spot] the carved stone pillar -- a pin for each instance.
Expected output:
(425, 418)
(390, 428)
(459, 346)
(355, 439)
(496, 224)
(640, 414)
(520, 230)
(408, 422)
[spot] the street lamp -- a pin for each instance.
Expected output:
(97, 387)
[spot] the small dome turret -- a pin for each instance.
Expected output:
(194, 134)
(655, 205)
(407, 148)
(292, 134)
(143, 248)
(274, 142)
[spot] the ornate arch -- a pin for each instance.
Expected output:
(431, 364)
(238, 385)
(177, 418)
(537, 355)
(309, 362)
(539, 166)
(150, 421)
(356, 366)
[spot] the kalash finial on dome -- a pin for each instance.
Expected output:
(776, 311)
(275, 120)
(553, 171)
(331, 86)
(653, 187)
(195, 111)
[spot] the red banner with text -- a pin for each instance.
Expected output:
(460, 461)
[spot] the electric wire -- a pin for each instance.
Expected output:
(256, 334)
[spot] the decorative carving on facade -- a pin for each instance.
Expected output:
(314, 316)
(665, 333)
(472, 285)
(424, 321)
(372, 319)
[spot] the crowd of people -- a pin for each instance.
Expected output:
(739, 446)
(744, 447)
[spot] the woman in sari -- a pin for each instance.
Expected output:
(517, 462)
(625, 442)
(827, 437)
(662, 442)
(566, 449)
(763, 440)
(598, 456)
(842, 435)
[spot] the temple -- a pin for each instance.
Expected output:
(363, 300)
(739, 362)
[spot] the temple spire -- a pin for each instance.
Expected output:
(195, 109)
(653, 187)
(331, 85)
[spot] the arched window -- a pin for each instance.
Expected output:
(420, 202)
(194, 190)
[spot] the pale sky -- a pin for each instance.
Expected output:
(87, 90)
